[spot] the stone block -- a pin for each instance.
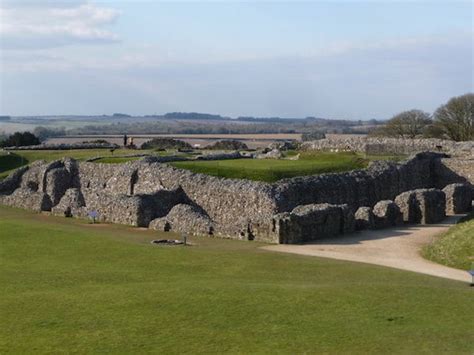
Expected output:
(387, 214)
(408, 204)
(364, 218)
(458, 198)
(432, 205)
(184, 218)
(311, 222)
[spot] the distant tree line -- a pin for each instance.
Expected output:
(43, 133)
(453, 120)
(225, 127)
(19, 139)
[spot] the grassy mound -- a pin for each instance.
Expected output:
(271, 170)
(454, 248)
(68, 286)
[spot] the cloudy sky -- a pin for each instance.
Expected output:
(336, 59)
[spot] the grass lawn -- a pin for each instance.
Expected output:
(271, 170)
(71, 287)
(454, 248)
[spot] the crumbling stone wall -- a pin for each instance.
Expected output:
(380, 181)
(139, 192)
(371, 145)
(311, 222)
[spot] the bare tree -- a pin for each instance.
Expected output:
(407, 124)
(456, 118)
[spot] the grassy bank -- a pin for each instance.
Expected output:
(72, 287)
(271, 170)
(454, 248)
(255, 169)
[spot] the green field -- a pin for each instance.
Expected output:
(271, 170)
(454, 248)
(67, 286)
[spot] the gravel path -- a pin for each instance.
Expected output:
(397, 247)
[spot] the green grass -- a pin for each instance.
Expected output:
(71, 287)
(264, 170)
(271, 170)
(116, 160)
(454, 248)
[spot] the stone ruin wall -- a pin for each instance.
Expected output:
(138, 192)
(147, 193)
(380, 181)
(398, 146)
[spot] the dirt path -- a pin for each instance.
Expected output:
(397, 247)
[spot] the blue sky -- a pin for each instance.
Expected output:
(336, 59)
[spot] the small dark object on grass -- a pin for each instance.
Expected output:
(167, 242)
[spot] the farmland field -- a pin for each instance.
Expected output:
(68, 286)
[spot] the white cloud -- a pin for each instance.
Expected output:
(54, 24)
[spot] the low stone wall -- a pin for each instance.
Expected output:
(398, 146)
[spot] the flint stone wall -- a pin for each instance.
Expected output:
(387, 214)
(380, 181)
(370, 145)
(185, 219)
(458, 198)
(311, 222)
(423, 206)
(139, 192)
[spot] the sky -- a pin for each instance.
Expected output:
(334, 59)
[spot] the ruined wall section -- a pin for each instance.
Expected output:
(380, 181)
(372, 145)
(139, 192)
(454, 170)
(238, 208)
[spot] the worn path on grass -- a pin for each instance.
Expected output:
(397, 247)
